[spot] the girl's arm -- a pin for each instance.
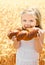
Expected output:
(16, 44)
(39, 41)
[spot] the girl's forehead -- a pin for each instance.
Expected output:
(27, 15)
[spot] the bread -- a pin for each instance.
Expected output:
(31, 34)
(22, 35)
(26, 34)
(11, 34)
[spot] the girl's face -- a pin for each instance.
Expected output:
(28, 20)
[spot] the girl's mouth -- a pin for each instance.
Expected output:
(26, 26)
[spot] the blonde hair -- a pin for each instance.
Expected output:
(34, 11)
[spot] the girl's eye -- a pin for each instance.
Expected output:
(31, 20)
(24, 20)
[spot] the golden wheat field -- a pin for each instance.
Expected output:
(10, 13)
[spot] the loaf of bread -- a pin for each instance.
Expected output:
(14, 33)
(31, 33)
(26, 34)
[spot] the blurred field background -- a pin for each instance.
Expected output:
(10, 19)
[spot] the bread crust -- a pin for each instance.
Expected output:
(26, 34)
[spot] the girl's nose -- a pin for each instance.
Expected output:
(28, 24)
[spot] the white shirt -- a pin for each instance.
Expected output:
(27, 53)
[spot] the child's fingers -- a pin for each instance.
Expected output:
(14, 38)
(40, 33)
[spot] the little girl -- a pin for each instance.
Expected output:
(28, 51)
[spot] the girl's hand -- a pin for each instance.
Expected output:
(39, 41)
(14, 38)
(17, 43)
(40, 35)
